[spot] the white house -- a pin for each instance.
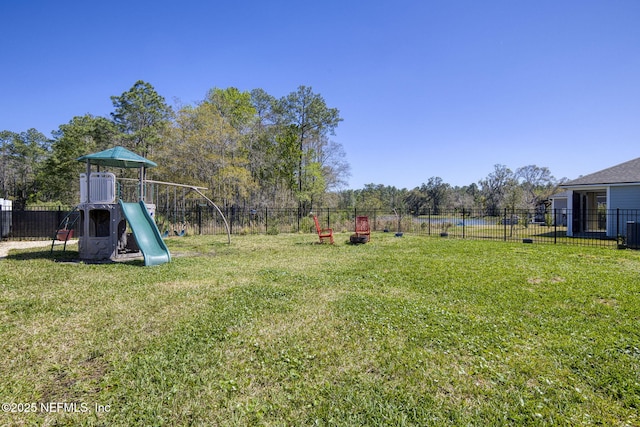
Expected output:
(604, 201)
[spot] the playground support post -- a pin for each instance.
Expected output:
(219, 211)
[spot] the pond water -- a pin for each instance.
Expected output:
(443, 220)
(457, 221)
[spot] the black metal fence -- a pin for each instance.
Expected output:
(34, 224)
(594, 228)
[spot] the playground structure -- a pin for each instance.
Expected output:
(110, 228)
(171, 201)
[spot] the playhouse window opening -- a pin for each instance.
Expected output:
(99, 221)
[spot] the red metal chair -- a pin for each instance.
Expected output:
(363, 232)
(323, 233)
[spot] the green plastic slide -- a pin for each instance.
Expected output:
(146, 232)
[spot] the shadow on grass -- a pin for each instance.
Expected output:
(43, 254)
(551, 234)
(72, 257)
(311, 243)
(590, 235)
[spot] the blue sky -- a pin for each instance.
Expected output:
(425, 88)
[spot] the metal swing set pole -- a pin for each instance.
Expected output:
(197, 190)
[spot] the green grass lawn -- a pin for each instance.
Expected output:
(278, 330)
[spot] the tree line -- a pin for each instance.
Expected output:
(248, 148)
(526, 188)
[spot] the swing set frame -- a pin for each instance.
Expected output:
(188, 189)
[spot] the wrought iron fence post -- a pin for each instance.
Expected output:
(504, 221)
(618, 222)
(266, 220)
(328, 217)
(463, 223)
(429, 222)
(555, 226)
(58, 216)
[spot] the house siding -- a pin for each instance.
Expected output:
(625, 200)
(559, 208)
(627, 197)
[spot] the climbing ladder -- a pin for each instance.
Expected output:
(64, 232)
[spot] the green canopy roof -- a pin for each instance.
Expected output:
(118, 157)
